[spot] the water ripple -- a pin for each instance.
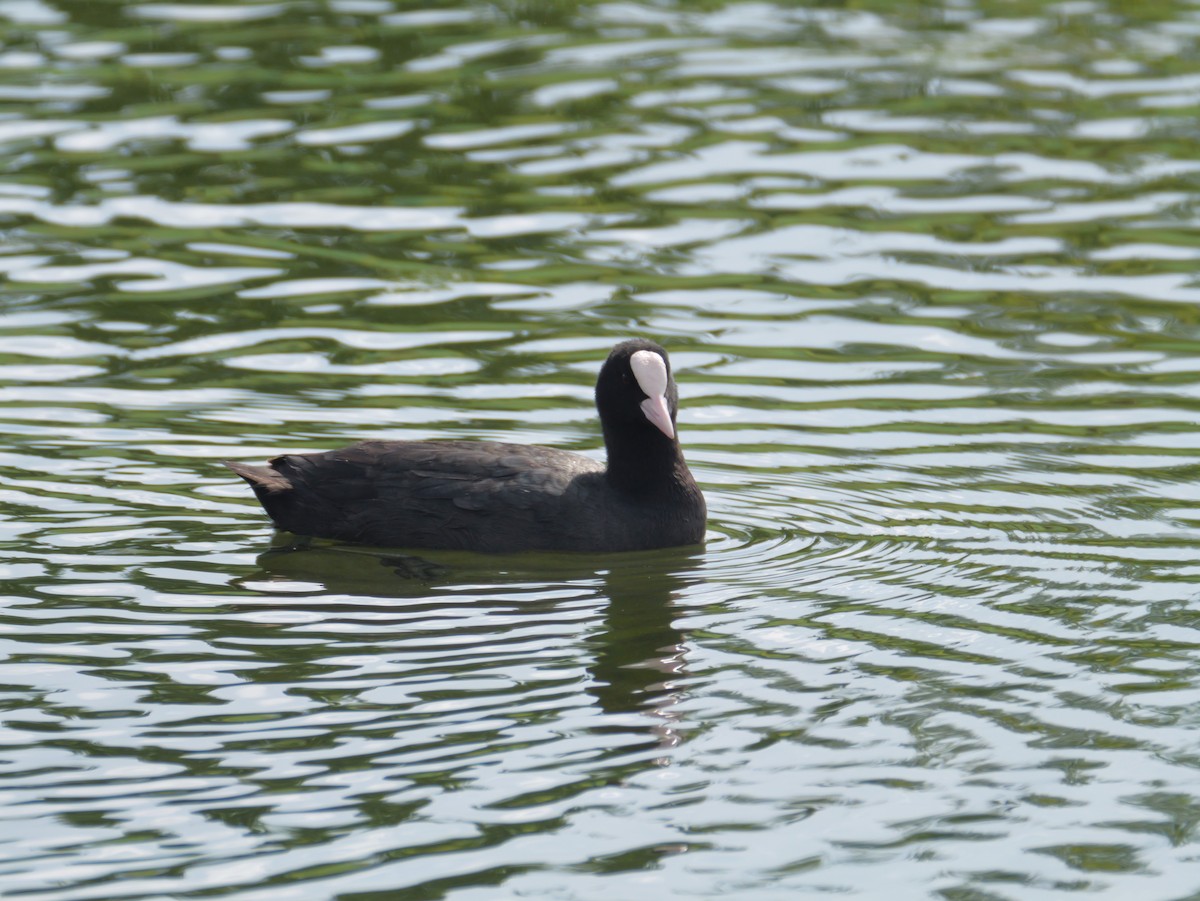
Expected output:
(927, 278)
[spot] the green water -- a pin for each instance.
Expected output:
(928, 276)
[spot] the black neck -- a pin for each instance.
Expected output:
(644, 462)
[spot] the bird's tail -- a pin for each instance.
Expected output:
(261, 478)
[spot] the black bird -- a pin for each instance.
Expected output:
(487, 496)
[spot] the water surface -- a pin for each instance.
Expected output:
(927, 273)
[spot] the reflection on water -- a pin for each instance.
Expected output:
(638, 653)
(927, 275)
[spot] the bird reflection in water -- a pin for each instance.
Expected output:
(637, 654)
(640, 655)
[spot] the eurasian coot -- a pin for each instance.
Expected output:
(486, 496)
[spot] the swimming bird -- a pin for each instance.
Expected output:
(489, 496)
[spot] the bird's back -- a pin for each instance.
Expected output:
(475, 495)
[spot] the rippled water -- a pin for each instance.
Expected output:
(928, 277)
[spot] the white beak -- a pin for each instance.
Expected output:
(655, 409)
(650, 370)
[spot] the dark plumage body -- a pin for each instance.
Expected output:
(487, 496)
